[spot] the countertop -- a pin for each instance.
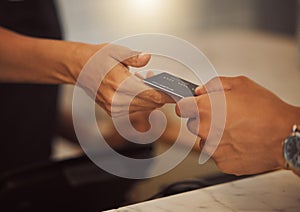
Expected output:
(275, 191)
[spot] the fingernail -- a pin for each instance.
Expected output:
(143, 55)
(198, 90)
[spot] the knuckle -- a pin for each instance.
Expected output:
(108, 99)
(242, 79)
(108, 108)
(157, 98)
(120, 53)
(214, 84)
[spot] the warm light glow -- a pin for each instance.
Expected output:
(145, 8)
(145, 4)
(111, 19)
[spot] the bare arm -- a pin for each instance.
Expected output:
(35, 60)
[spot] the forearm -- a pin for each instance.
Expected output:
(35, 60)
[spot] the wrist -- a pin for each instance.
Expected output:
(291, 150)
(77, 57)
(290, 145)
(283, 131)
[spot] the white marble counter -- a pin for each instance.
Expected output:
(276, 191)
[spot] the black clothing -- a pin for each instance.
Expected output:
(27, 124)
(31, 17)
(28, 112)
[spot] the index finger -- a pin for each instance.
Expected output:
(135, 87)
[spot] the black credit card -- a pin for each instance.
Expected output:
(171, 84)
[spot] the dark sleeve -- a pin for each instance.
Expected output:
(31, 17)
(28, 112)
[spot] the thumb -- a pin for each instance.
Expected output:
(127, 56)
(214, 85)
(138, 60)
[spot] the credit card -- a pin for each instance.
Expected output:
(171, 84)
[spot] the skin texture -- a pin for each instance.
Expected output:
(257, 122)
(26, 59)
(33, 60)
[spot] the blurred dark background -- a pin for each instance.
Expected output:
(272, 15)
(249, 37)
(107, 20)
